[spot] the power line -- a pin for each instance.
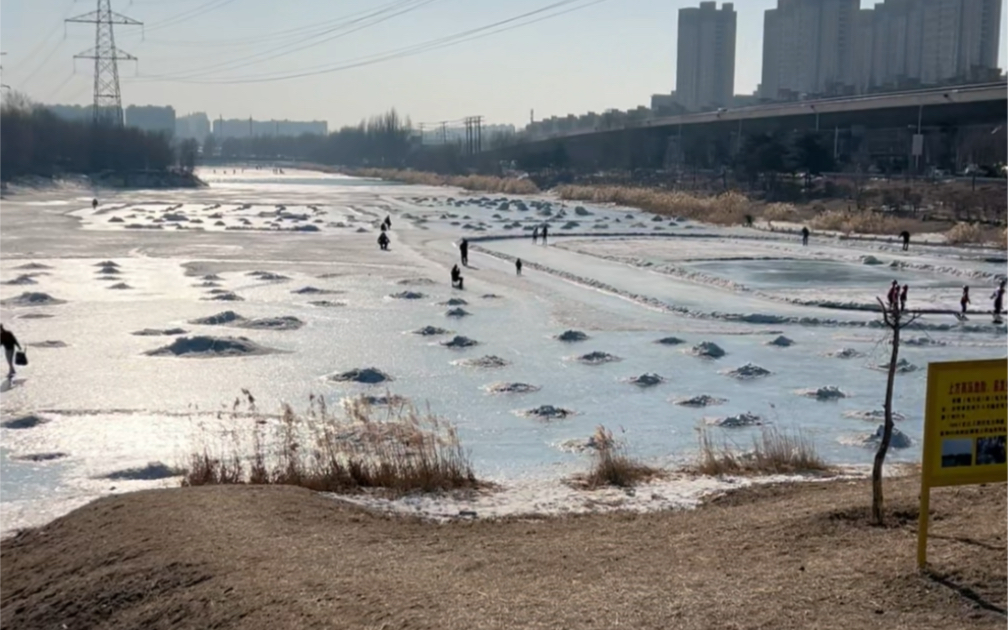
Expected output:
(443, 42)
(189, 14)
(390, 11)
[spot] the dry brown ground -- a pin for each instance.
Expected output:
(791, 556)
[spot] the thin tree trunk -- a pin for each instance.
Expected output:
(880, 454)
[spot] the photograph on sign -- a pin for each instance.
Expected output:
(990, 450)
(956, 453)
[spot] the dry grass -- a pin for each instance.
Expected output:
(728, 208)
(774, 452)
(859, 222)
(612, 465)
(780, 212)
(482, 183)
(403, 452)
(966, 233)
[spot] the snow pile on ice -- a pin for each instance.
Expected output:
(368, 376)
(284, 322)
(670, 341)
(226, 296)
(547, 412)
(33, 266)
(407, 295)
(30, 298)
(902, 367)
(829, 392)
(24, 422)
(456, 312)
(648, 379)
(21, 280)
(578, 445)
(845, 353)
(598, 358)
(416, 281)
(898, 439)
(312, 291)
(458, 341)
(429, 331)
(488, 361)
(268, 276)
(454, 302)
(868, 259)
(156, 332)
(781, 342)
(48, 344)
(120, 286)
(327, 303)
(707, 350)
(490, 296)
(922, 342)
(151, 472)
(572, 335)
(202, 346)
(747, 372)
(873, 415)
(220, 319)
(108, 270)
(744, 419)
(512, 388)
(703, 400)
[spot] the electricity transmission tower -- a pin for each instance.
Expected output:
(474, 135)
(107, 108)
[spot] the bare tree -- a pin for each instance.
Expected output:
(896, 320)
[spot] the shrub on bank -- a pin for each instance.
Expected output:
(728, 208)
(862, 222)
(612, 465)
(774, 452)
(965, 234)
(476, 183)
(404, 452)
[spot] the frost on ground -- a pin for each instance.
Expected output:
(829, 392)
(543, 497)
(703, 400)
(648, 379)
(547, 412)
(747, 372)
(572, 335)
(511, 388)
(744, 419)
(208, 347)
(488, 361)
(367, 376)
(707, 350)
(598, 358)
(459, 341)
(873, 415)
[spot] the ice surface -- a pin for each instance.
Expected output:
(110, 407)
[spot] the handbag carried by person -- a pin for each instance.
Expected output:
(20, 358)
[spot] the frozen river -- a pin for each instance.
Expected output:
(92, 403)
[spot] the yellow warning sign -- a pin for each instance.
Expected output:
(965, 426)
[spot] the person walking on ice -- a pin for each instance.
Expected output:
(903, 297)
(545, 228)
(963, 302)
(999, 300)
(464, 250)
(535, 235)
(804, 235)
(906, 239)
(518, 265)
(9, 342)
(383, 241)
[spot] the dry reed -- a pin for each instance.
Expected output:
(780, 212)
(774, 451)
(861, 222)
(612, 465)
(966, 234)
(728, 208)
(481, 183)
(404, 452)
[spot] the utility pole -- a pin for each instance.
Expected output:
(107, 107)
(250, 126)
(444, 132)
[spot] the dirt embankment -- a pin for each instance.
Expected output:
(792, 556)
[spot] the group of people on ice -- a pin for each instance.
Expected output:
(897, 299)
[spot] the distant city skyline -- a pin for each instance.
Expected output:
(604, 55)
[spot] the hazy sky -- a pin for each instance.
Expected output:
(608, 53)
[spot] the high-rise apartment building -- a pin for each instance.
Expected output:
(705, 63)
(809, 47)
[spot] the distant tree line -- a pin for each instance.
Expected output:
(34, 141)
